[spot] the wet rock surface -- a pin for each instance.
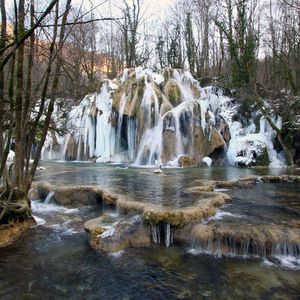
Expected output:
(261, 240)
(108, 235)
(156, 223)
(186, 161)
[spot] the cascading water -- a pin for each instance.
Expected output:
(49, 197)
(227, 245)
(146, 116)
(151, 124)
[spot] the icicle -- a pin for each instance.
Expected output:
(167, 229)
(155, 233)
(131, 138)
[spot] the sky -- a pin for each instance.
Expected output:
(154, 7)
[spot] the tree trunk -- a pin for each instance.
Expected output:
(2, 102)
(52, 98)
(19, 158)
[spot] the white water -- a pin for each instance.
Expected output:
(49, 197)
(96, 132)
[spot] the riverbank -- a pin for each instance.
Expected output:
(10, 233)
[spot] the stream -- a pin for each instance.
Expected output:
(55, 261)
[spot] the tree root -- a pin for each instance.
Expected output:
(11, 209)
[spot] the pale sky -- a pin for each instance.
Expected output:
(155, 7)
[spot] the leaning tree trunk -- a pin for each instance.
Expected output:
(53, 95)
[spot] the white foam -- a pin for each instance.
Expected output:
(289, 262)
(71, 210)
(44, 209)
(267, 263)
(117, 254)
(221, 214)
(70, 231)
(39, 221)
(109, 231)
(221, 190)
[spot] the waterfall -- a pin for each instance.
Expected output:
(105, 134)
(131, 138)
(146, 116)
(184, 86)
(227, 245)
(150, 144)
(49, 197)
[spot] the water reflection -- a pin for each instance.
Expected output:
(142, 184)
(50, 264)
(276, 203)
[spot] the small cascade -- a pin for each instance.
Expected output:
(49, 197)
(150, 146)
(151, 141)
(168, 234)
(286, 249)
(155, 234)
(162, 234)
(184, 81)
(254, 241)
(131, 138)
(105, 133)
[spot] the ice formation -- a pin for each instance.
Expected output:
(146, 116)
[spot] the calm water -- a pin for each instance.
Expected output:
(264, 203)
(54, 260)
(142, 184)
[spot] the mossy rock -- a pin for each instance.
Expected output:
(167, 73)
(176, 219)
(141, 87)
(173, 92)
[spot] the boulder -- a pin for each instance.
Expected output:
(186, 161)
(71, 148)
(252, 153)
(117, 236)
(173, 92)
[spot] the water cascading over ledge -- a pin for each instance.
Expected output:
(145, 116)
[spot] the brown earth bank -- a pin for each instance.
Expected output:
(10, 233)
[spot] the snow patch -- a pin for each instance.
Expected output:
(207, 160)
